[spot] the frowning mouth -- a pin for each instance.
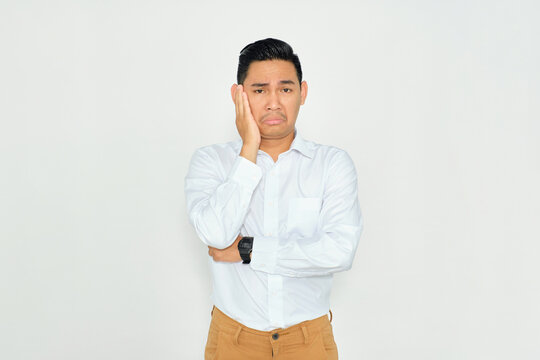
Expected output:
(273, 119)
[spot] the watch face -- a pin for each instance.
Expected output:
(245, 244)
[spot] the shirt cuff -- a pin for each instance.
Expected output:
(264, 253)
(245, 173)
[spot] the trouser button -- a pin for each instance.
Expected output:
(275, 336)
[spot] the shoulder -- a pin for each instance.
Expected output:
(214, 160)
(218, 151)
(328, 153)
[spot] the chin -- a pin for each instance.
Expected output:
(276, 134)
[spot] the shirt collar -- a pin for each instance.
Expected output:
(302, 145)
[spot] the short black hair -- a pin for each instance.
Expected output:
(267, 49)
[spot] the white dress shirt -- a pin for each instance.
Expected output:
(303, 214)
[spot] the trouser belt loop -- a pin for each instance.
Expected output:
(237, 334)
(306, 335)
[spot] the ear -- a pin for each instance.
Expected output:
(303, 92)
(233, 90)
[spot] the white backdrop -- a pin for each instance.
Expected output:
(103, 103)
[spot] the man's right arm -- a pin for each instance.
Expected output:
(218, 204)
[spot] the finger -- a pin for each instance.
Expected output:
(240, 101)
(236, 107)
(247, 109)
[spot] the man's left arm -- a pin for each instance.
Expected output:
(333, 246)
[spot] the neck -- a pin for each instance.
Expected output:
(274, 147)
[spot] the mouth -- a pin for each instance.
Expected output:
(273, 119)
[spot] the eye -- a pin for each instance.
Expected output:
(258, 91)
(287, 90)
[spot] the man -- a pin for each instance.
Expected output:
(279, 214)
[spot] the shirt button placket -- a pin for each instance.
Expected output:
(271, 228)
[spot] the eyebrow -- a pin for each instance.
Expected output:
(282, 82)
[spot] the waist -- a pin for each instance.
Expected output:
(265, 302)
(292, 334)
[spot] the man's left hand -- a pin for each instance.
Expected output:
(229, 254)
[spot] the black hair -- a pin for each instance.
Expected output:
(267, 49)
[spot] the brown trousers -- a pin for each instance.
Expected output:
(230, 340)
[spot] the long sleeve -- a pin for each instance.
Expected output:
(218, 202)
(332, 247)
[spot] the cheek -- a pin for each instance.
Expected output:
(293, 105)
(251, 99)
(254, 103)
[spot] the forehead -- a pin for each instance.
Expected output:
(267, 71)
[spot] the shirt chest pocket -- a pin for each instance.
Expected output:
(303, 215)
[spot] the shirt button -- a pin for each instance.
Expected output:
(275, 336)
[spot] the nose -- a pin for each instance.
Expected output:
(273, 102)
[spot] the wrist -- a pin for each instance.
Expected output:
(245, 246)
(249, 152)
(250, 145)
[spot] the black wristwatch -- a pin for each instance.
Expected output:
(244, 248)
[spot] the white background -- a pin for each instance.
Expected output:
(102, 104)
